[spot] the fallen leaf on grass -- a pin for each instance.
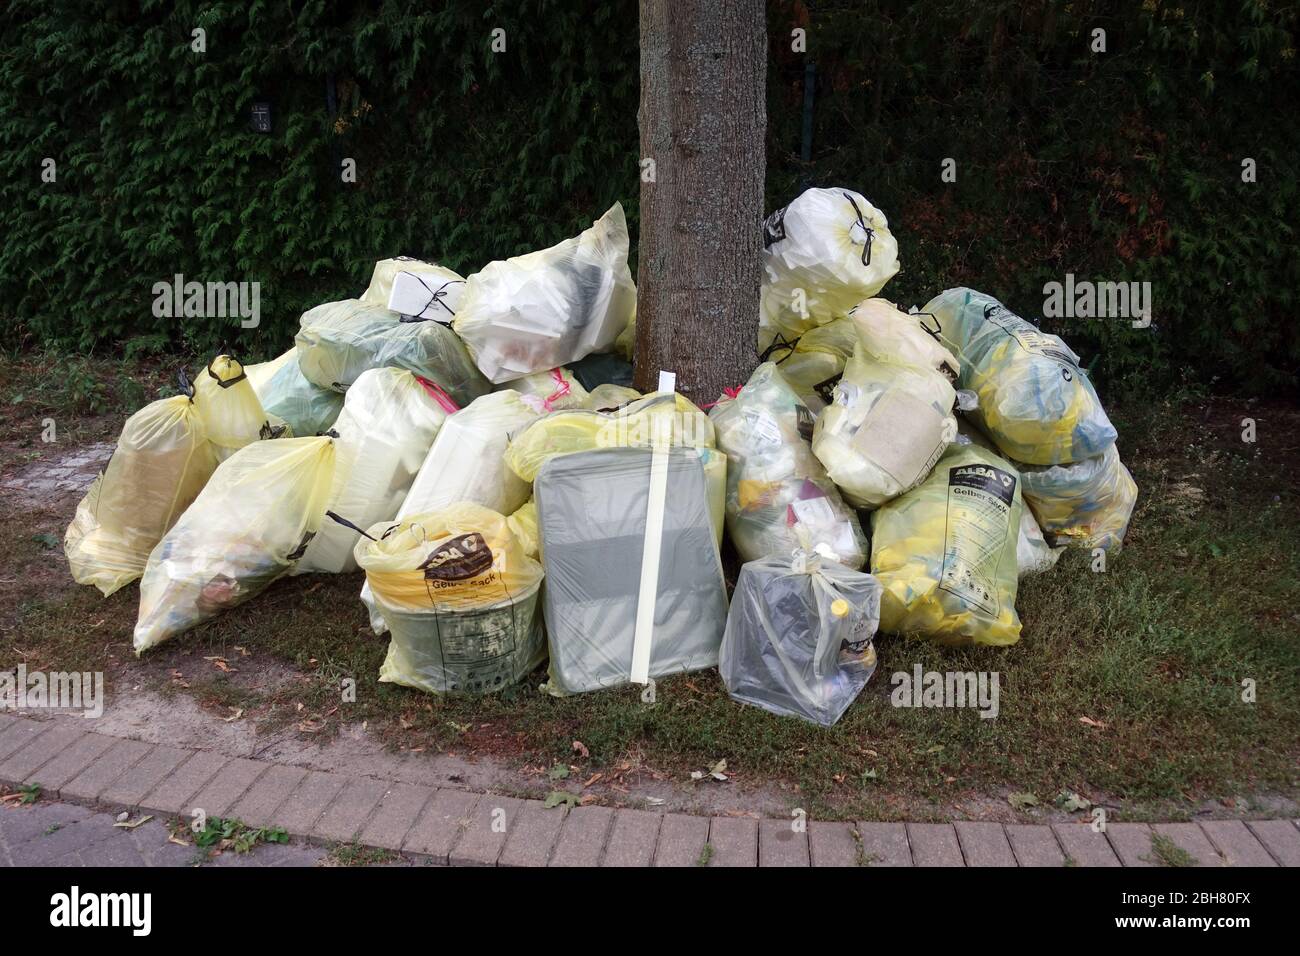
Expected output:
(1099, 724)
(592, 779)
(581, 749)
(236, 713)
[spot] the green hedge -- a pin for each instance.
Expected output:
(1121, 166)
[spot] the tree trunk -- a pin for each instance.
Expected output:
(703, 120)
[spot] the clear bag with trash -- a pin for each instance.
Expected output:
(551, 390)
(1035, 401)
(1086, 504)
(823, 253)
(461, 599)
(388, 422)
(161, 463)
(465, 463)
(891, 415)
(428, 290)
(945, 552)
(779, 498)
(549, 308)
(248, 526)
(799, 636)
(338, 341)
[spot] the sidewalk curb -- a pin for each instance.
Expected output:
(443, 825)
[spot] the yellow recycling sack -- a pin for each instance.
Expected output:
(460, 598)
(232, 414)
(523, 524)
(826, 251)
(1035, 401)
(1086, 504)
(890, 417)
(634, 425)
(161, 463)
(815, 362)
(550, 391)
(248, 526)
(945, 552)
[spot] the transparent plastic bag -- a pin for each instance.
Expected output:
(551, 390)
(388, 422)
(1086, 504)
(446, 287)
(523, 524)
(607, 397)
(592, 510)
(248, 526)
(461, 599)
(1035, 402)
(1033, 554)
(551, 307)
(308, 408)
(799, 636)
(466, 463)
(823, 253)
(779, 498)
(890, 417)
(338, 341)
(262, 373)
(945, 552)
(161, 463)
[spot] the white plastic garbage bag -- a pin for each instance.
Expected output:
(338, 341)
(634, 587)
(779, 498)
(552, 307)
(826, 251)
(1035, 402)
(461, 598)
(890, 417)
(466, 463)
(799, 636)
(248, 526)
(1033, 554)
(446, 286)
(388, 422)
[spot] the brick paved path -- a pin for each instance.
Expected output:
(81, 769)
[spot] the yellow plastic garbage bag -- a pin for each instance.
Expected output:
(1086, 504)
(466, 463)
(633, 426)
(338, 341)
(307, 408)
(814, 363)
(551, 390)
(826, 251)
(523, 525)
(232, 414)
(460, 597)
(1035, 402)
(890, 417)
(608, 396)
(945, 552)
(779, 498)
(248, 526)
(445, 287)
(161, 463)
(550, 307)
(388, 422)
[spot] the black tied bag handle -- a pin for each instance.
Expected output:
(871, 233)
(348, 524)
(186, 386)
(243, 374)
(778, 343)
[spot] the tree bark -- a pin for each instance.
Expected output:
(703, 120)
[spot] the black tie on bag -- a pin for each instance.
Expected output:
(871, 233)
(435, 296)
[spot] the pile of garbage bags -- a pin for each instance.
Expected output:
(471, 448)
